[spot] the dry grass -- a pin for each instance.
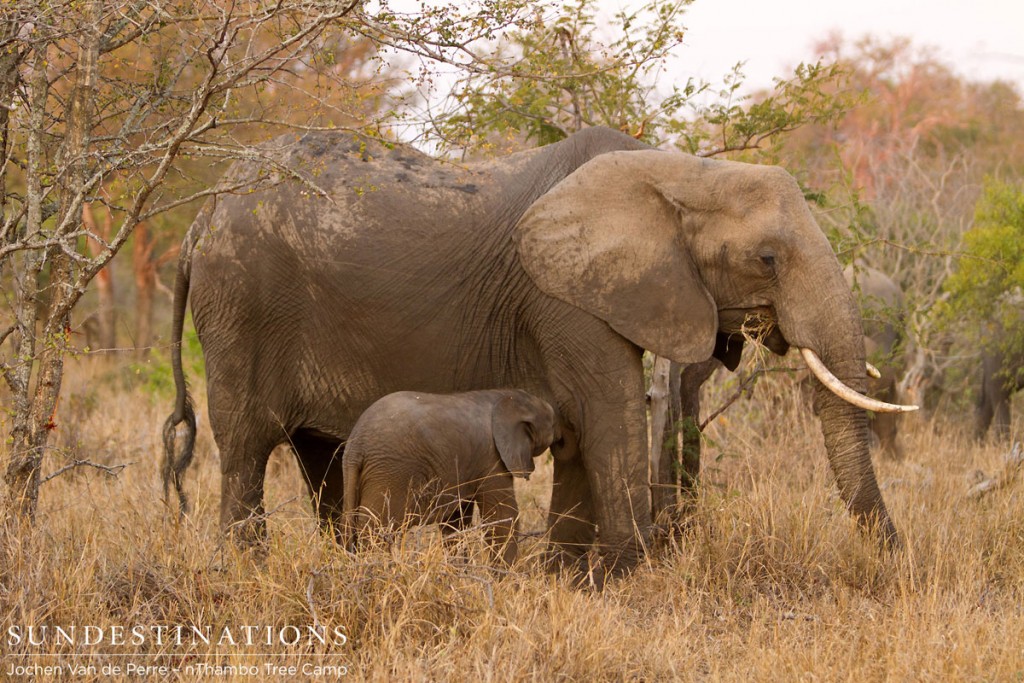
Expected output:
(769, 581)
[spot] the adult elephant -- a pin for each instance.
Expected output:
(882, 309)
(371, 268)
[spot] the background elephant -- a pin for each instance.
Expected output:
(371, 268)
(428, 458)
(882, 308)
(1001, 378)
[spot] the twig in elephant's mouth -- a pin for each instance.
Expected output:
(755, 329)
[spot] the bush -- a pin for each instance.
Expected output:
(986, 293)
(154, 374)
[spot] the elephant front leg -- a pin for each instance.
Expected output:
(615, 458)
(602, 484)
(571, 527)
(499, 512)
(606, 483)
(319, 460)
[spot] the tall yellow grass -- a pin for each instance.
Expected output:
(769, 578)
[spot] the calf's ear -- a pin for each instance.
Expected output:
(511, 426)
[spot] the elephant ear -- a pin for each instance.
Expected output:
(607, 240)
(511, 427)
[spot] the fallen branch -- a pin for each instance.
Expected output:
(1014, 461)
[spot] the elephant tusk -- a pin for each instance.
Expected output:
(873, 371)
(836, 386)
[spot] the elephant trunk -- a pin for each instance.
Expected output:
(833, 330)
(845, 430)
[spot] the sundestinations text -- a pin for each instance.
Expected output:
(179, 636)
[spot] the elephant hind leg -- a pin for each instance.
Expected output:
(458, 520)
(243, 465)
(319, 457)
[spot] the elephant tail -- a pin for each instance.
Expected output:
(352, 470)
(175, 465)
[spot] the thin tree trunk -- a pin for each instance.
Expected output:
(22, 475)
(145, 285)
(8, 72)
(662, 493)
(106, 313)
(34, 420)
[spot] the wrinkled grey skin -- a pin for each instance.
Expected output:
(1001, 378)
(547, 270)
(881, 301)
(422, 458)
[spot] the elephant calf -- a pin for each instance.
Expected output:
(423, 458)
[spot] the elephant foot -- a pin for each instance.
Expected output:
(590, 574)
(594, 571)
(248, 535)
(234, 553)
(620, 558)
(674, 523)
(570, 558)
(583, 571)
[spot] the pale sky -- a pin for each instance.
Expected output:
(980, 39)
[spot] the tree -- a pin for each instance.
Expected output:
(562, 77)
(986, 293)
(77, 119)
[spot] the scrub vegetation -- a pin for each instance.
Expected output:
(767, 578)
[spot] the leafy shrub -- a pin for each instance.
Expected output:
(985, 296)
(154, 374)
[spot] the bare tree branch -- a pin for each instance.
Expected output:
(110, 470)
